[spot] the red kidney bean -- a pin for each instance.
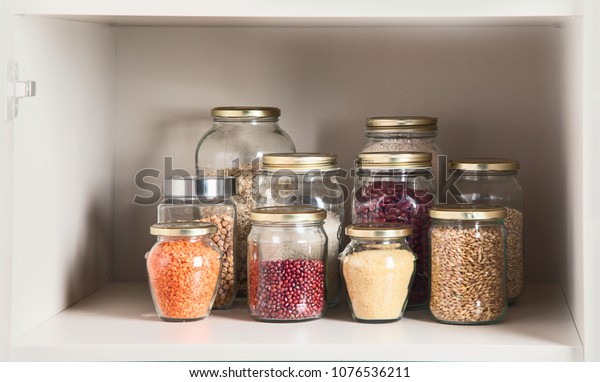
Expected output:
(292, 289)
(392, 202)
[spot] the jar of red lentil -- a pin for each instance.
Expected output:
(468, 264)
(377, 268)
(493, 181)
(397, 187)
(184, 267)
(287, 254)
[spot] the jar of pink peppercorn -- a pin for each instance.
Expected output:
(398, 187)
(287, 254)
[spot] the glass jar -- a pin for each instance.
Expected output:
(183, 267)
(217, 200)
(308, 179)
(494, 182)
(234, 147)
(179, 203)
(377, 267)
(468, 270)
(404, 133)
(397, 187)
(287, 253)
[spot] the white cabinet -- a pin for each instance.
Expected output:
(123, 85)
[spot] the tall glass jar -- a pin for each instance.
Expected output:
(183, 267)
(377, 268)
(397, 187)
(468, 270)
(287, 253)
(234, 146)
(308, 179)
(404, 133)
(493, 181)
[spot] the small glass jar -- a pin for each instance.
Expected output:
(287, 253)
(234, 146)
(397, 187)
(183, 267)
(308, 179)
(493, 181)
(468, 270)
(377, 267)
(404, 133)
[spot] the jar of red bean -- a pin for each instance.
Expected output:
(493, 181)
(397, 187)
(184, 267)
(287, 253)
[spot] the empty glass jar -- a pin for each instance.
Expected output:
(377, 267)
(468, 270)
(287, 253)
(493, 181)
(308, 179)
(234, 146)
(183, 267)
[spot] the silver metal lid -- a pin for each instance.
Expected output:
(214, 187)
(179, 187)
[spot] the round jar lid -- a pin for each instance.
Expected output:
(484, 164)
(183, 229)
(215, 186)
(378, 231)
(299, 161)
(394, 159)
(289, 214)
(467, 212)
(245, 111)
(179, 187)
(399, 124)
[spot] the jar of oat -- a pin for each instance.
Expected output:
(403, 133)
(377, 268)
(494, 181)
(308, 179)
(217, 200)
(287, 254)
(397, 187)
(183, 267)
(179, 203)
(468, 271)
(234, 147)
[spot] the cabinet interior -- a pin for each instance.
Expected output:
(115, 100)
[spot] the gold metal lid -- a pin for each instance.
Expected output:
(288, 214)
(484, 164)
(300, 161)
(398, 124)
(378, 231)
(394, 159)
(245, 111)
(183, 229)
(467, 212)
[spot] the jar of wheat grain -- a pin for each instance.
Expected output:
(468, 264)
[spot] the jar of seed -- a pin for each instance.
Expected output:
(377, 268)
(493, 181)
(184, 267)
(287, 253)
(468, 270)
(397, 187)
(308, 179)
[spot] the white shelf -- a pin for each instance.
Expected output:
(119, 323)
(308, 12)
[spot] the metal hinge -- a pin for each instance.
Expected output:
(17, 90)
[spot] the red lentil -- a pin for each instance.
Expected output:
(183, 277)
